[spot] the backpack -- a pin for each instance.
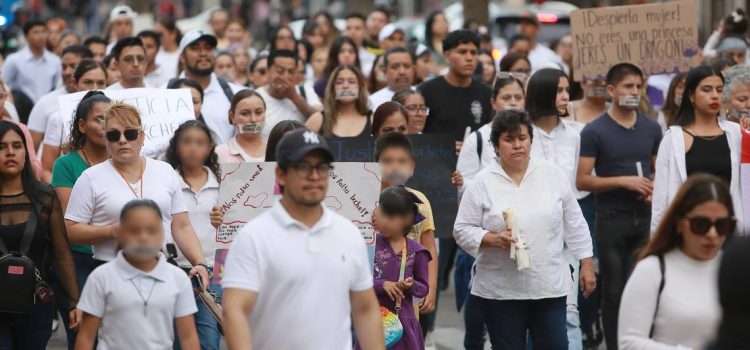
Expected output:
(22, 282)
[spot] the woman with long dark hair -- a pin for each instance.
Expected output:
(668, 112)
(31, 222)
(283, 39)
(435, 30)
(698, 142)
(377, 78)
(191, 154)
(671, 298)
(343, 52)
(88, 75)
(345, 112)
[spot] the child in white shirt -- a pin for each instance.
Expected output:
(138, 299)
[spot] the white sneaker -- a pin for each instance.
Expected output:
(429, 343)
(55, 324)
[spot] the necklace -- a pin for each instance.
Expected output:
(140, 179)
(85, 157)
(145, 299)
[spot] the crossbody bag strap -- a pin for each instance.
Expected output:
(658, 295)
(402, 271)
(479, 146)
(28, 232)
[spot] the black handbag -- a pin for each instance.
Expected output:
(21, 283)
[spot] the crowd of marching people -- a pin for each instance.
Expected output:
(594, 211)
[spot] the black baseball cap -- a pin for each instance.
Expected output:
(298, 143)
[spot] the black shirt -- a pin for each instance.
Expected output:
(453, 108)
(709, 155)
(617, 150)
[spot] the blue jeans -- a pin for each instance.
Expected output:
(509, 321)
(589, 307)
(474, 335)
(83, 269)
(208, 329)
(621, 234)
(27, 331)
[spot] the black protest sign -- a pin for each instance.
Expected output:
(435, 159)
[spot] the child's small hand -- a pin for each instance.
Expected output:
(405, 284)
(393, 290)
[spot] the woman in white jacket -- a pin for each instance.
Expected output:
(698, 142)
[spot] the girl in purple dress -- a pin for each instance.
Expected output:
(396, 215)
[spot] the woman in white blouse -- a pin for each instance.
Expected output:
(547, 216)
(671, 299)
(698, 142)
(93, 213)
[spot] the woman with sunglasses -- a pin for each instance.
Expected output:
(100, 193)
(22, 197)
(698, 142)
(88, 75)
(671, 299)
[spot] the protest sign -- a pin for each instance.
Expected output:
(161, 110)
(745, 182)
(248, 189)
(659, 38)
(435, 158)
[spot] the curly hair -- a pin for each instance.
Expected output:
(77, 138)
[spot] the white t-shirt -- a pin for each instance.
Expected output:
(158, 78)
(381, 96)
(279, 110)
(543, 57)
(115, 292)
(43, 109)
(168, 61)
(199, 206)
(100, 193)
(303, 278)
(56, 133)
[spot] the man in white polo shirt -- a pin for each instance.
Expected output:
(197, 56)
(300, 271)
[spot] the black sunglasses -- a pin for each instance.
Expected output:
(700, 225)
(114, 135)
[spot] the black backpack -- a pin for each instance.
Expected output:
(19, 277)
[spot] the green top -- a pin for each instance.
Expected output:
(65, 172)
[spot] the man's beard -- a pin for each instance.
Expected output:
(200, 72)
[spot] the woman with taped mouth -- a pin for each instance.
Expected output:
(345, 109)
(247, 112)
(698, 142)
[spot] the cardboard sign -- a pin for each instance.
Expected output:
(162, 112)
(659, 38)
(249, 189)
(435, 159)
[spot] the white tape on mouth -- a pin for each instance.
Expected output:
(251, 128)
(630, 101)
(346, 94)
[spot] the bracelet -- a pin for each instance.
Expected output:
(204, 265)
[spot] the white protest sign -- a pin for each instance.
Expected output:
(161, 110)
(249, 189)
(659, 38)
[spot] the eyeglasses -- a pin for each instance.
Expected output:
(114, 135)
(305, 169)
(415, 109)
(700, 225)
(132, 59)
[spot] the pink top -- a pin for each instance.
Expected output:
(231, 152)
(35, 162)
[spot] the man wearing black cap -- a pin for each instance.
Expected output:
(293, 268)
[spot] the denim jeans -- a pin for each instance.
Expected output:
(620, 235)
(509, 322)
(27, 331)
(205, 324)
(83, 269)
(475, 332)
(474, 337)
(589, 307)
